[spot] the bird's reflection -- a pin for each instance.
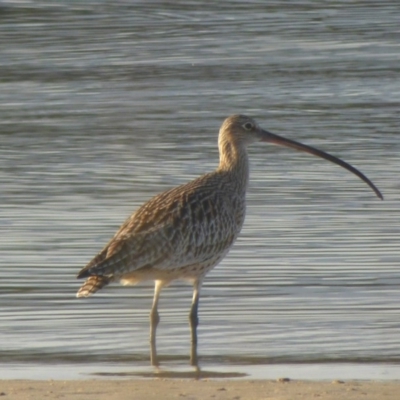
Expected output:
(168, 371)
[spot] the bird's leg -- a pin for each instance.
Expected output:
(194, 321)
(154, 320)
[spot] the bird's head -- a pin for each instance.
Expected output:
(241, 130)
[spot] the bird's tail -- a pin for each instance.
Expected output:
(92, 285)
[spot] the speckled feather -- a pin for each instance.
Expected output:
(181, 233)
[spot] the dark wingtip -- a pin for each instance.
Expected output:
(83, 274)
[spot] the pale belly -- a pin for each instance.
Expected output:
(190, 273)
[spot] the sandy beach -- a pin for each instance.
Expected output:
(152, 389)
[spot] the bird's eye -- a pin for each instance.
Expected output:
(248, 126)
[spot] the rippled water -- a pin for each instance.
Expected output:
(104, 105)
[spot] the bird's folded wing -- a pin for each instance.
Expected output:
(174, 229)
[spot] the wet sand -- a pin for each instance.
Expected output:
(156, 389)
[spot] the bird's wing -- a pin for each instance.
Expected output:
(173, 229)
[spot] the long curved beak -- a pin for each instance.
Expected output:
(266, 136)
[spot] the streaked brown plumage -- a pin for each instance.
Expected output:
(185, 232)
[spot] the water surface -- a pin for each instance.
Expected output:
(104, 105)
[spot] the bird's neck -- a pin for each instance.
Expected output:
(233, 160)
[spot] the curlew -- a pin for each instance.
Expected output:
(185, 232)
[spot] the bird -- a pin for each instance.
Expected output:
(184, 232)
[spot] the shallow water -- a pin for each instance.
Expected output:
(103, 106)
